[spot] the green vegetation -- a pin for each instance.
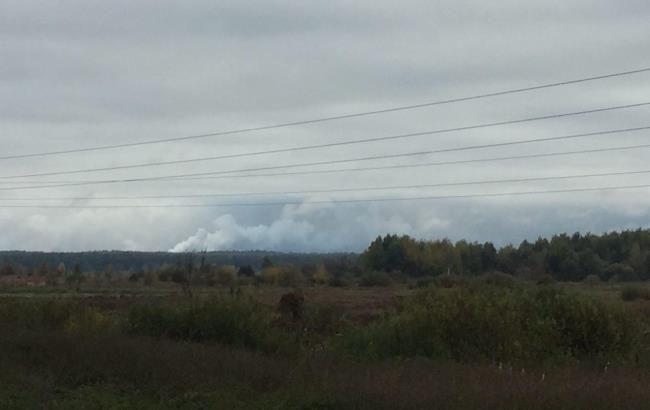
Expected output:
(522, 327)
(407, 325)
(230, 321)
(634, 292)
(614, 256)
(370, 279)
(489, 342)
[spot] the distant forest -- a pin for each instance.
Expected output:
(621, 256)
(126, 261)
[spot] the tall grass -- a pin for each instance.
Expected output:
(56, 314)
(230, 321)
(36, 314)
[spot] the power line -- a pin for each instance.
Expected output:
(336, 190)
(342, 201)
(438, 151)
(323, 119)
(366, 140)
(398, 166)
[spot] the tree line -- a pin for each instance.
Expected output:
(621, 256)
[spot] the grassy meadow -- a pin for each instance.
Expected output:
(487, 342)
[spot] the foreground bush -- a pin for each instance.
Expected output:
(498, 325)
(232, 321)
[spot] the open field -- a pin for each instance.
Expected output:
(155, 348)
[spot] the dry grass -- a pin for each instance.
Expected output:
(47, 364)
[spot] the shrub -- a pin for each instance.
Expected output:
(449, 281)
(592, 280)
(619, 272)
(270, 276)
(244, 281)
(337, 282)
(503, 325)
(424, 282)
(233, 322)
(498, 279)
(371, 279)
(246, 270)
(634, 292)
(546, 280)
(89, 322)
(291, 306)
(398, 277)
(37, 314)
(225, 275)
(290, 276)
(317, 274)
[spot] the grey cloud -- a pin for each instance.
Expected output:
(84, 73)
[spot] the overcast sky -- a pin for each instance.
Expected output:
(77, 74)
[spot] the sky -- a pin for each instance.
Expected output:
(77, 74)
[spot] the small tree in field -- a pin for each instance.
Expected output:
(7, 270)
(53, 275)
(246, 270)
(267, 263)
(184, 272)
(108, 274)
(149, 278)
(75, 278)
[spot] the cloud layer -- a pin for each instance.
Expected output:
(86, 73)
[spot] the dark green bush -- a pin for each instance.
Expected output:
(546, 280)
(497, 279)
(620, 272)
(423, 282)
(449, 281)
(234, 322)
(370, 279)
(337, 282)
(470, 325)
(634, 292)
(592, 280)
